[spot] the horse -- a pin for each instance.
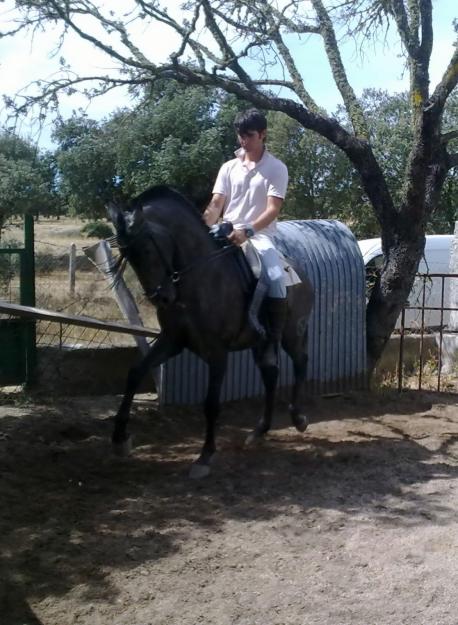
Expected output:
(202, 305)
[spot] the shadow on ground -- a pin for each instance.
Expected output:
(71, 512)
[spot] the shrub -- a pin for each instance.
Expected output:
(97, 229)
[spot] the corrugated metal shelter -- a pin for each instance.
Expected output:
(327, 251)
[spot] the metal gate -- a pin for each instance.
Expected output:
(433, 342)
(18, 336)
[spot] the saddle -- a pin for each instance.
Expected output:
(254, 262)
(253, 277)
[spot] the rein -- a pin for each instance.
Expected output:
(174, 275)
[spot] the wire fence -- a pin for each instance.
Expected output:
(423, 351)
(67, 281)
(10, 266)
(437, 365)
(76, 288)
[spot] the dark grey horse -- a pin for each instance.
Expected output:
(201, 303)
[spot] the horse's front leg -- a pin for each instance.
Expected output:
(216, 372)
(159, 352)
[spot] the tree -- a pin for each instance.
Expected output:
(26, 179)
(322, 182)
(446, 214)
(219, 40)
(86, 162)
(175, 136)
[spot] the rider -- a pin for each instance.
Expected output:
(249, 192)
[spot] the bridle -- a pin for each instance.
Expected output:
(173, 275)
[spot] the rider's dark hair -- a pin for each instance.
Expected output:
(250, 120)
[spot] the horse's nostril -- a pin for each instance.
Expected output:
(166, 298)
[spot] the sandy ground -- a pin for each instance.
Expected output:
(353, 522)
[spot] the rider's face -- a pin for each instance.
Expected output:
(252, 141)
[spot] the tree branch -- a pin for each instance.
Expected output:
(446, 85)
(352, 105)
(65, 17)
(119, 27)
(298, 28)
(297, 81)
(198, 48)
(229, 56)
(402, 23)
(426, 45)
(49, 90)
(449, 136)
(418, 53)
(187, 40)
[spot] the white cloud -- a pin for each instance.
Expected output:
(25, 60)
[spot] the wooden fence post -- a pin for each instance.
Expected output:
(72, 268)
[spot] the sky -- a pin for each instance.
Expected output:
(23, 60)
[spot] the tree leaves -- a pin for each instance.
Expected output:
(26, 179)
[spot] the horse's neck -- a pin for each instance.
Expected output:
(191, 238)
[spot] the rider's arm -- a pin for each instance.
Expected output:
(214, 210)
(270, 214)
(265, 218)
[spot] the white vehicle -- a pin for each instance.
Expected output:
(436, 259)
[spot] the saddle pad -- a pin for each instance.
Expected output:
(254, 260)
(291, 276)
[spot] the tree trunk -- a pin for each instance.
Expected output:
(391, 291)
(403, 233)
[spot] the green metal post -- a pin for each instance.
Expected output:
(27, 293)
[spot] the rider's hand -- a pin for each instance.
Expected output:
(237, 237)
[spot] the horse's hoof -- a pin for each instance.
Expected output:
(252, 439)
(198, 471)
(124, 448)
(300, 423)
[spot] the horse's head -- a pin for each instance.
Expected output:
(149, 248)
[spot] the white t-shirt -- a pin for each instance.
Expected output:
(246, 190)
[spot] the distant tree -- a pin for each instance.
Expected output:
(174, 136)
(86, 163)
(26, 179)
(446, 214)
(173, 139)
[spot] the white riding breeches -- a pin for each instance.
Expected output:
(272, 265)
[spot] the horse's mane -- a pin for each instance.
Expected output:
(159, 193)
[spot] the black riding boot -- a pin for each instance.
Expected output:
(276, 310)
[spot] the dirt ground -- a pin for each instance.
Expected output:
(354, 522)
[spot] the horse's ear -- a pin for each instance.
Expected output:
(114, 211)
(126, 222)
(132, 221)
(137, 217)
(117, 216)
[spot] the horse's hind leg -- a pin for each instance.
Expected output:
(216, 371)
(270, 379)
(161, 350)
(299, 419)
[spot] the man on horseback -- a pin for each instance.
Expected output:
(249, 192)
